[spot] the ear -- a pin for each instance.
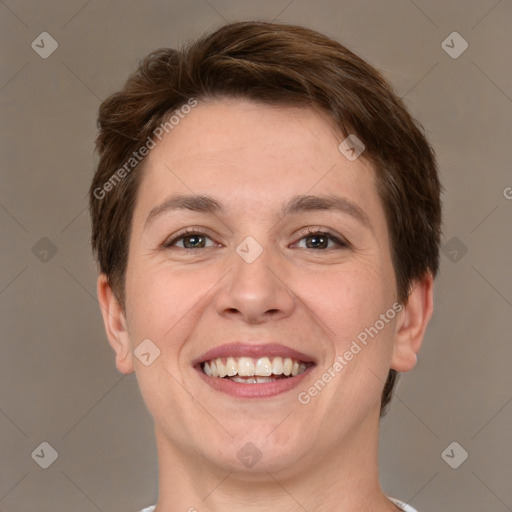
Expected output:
(115, 325)
(411, 324)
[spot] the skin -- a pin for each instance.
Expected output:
(253, 158)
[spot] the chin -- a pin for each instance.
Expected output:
(256, 453)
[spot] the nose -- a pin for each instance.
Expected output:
(256, 292)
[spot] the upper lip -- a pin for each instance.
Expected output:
(256, 350)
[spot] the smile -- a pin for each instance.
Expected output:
(247, 370)
(269, 369)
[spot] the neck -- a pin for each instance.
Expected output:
(343, 480)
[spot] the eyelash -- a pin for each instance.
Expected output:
(342, 244)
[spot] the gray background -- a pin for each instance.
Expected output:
(58, 381)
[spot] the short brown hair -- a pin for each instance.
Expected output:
(273, 64)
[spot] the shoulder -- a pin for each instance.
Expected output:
(402, 505)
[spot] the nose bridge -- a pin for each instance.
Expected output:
(255, 266)
(255, 289)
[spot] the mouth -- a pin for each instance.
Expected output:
(253, 371)
(248, 370)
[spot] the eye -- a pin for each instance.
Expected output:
(318, 239)
(190, 239)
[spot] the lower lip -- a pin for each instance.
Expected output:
(264, 390)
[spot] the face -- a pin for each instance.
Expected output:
(283, 266)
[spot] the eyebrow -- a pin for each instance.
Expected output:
(298, 204)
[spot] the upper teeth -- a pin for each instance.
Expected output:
(248, 367)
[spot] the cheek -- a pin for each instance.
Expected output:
(166, 303)
(154, 299)
(347, 300)
(351, 303)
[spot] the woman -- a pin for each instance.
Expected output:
(266, 219)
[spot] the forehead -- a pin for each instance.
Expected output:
(216, 125)
(250, 155)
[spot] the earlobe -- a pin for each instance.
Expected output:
(115, 325)
(411, 324)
